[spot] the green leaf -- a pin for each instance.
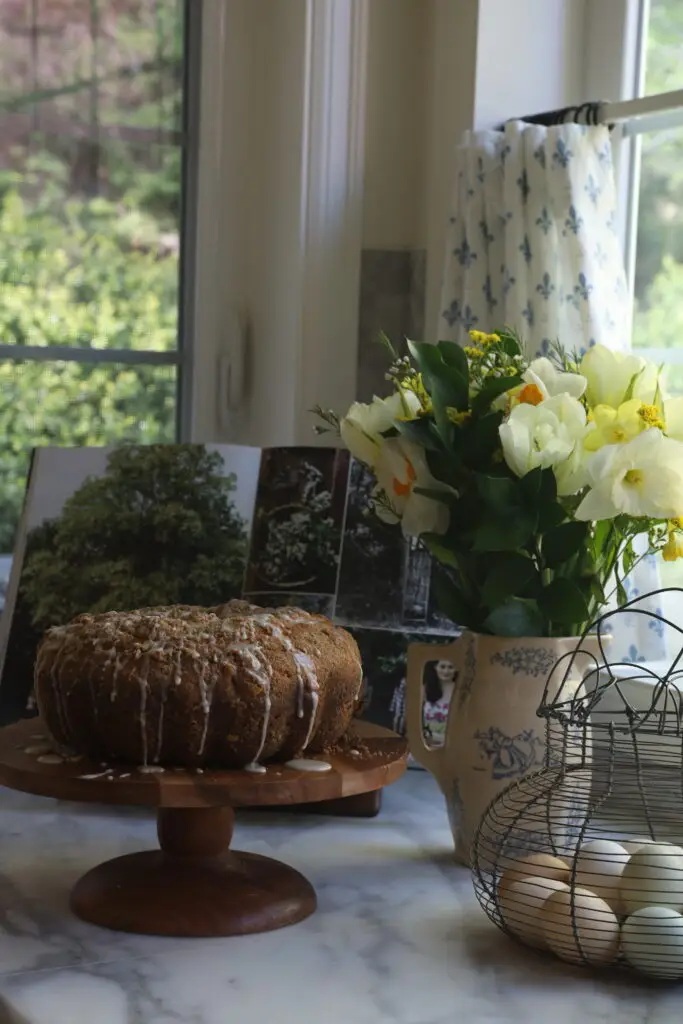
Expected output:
(629, 557)
(451, 600)
(564, 602)
(563, 542)
(504, 533)
(500, 492)
(516, 617)
(539, 487)
(480, 438)
(436, 547)
(447, 385)
(508, 576)
(454, 355)
(601, 534)
(509, 343)
(445, 467)
(491, 390)
(550, 516)
(421, 431)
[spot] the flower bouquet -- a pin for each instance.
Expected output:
(529, 481)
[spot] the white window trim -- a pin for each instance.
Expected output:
(613, 71)
(279, 215)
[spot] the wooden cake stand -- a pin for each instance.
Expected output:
(194, 885)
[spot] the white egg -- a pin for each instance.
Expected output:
(536, 865)
(580, 927)
(521, 903)
(653, 877)
(652, 941)
(599, 866)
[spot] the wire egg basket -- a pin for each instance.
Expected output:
(585, 856)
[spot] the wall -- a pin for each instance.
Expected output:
(395, 128)
(530, 58)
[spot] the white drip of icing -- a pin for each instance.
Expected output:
(307, 764)
(39, 748)
(150, 769)
(96, 775)
(315, 697)
(143, 679)
(57, 633)
(51, 759)
(206, 691)
(260, 672)
(255, 768)
(114, 679)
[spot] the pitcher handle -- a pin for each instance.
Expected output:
(419, 655)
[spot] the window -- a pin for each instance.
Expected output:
(656, 235)
(658, 227)
(92, 101)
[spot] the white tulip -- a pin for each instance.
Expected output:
(545, 435)
(401, 468)
(363, 426)
(643, 477)
(550, 381)
(609, 375)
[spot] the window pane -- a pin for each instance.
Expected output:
(664, 47)
(67, 403)
(658, 285)
(90, 172)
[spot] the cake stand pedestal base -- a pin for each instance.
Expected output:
(194, 885)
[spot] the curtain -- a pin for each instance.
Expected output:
(532, 244)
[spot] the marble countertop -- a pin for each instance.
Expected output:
(398, 937)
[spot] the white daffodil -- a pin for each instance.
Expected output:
(400, 469)
(610, 374)
(550, 381)
(643, 477)
(363, 426)
(545, 435)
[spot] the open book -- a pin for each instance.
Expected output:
(116, 528)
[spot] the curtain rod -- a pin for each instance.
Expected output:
(604, 112)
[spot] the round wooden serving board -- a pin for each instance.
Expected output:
(194, 885)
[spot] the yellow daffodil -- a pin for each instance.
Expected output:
(642, 477)
(612, 375)
(614, 426)
(673, 548)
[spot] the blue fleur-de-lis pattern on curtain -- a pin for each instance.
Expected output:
(531, 241)
(532, 244)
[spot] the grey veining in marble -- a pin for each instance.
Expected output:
(398, 937)
(392, 299)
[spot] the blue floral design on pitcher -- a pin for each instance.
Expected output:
(511, 756)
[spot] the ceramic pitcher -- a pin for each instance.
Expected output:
(493, 735)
